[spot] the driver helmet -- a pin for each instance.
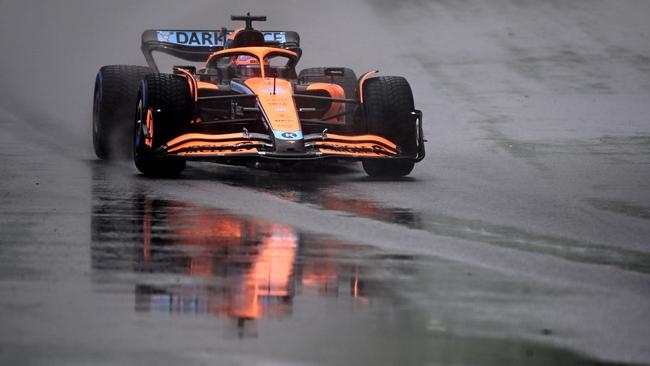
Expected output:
(245, 60)
(247, 65)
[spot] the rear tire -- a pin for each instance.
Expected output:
(388, 103)
(170, 102)
(116, 90)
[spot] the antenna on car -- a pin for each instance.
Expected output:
(249, 19)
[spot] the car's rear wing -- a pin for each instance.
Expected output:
(198, 45)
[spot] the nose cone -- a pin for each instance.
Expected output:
(275, 96)
(293, 144)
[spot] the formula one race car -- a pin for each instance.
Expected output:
(247, 104)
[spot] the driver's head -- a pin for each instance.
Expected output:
(246, 65)
(244, 60)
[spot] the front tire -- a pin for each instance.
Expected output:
(385, 168)
(116, 90)
(164, 111)
(388, 103)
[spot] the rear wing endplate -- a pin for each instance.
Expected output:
(198, 45)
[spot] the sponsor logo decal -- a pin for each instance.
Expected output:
(275, 37)
(202, 149)
(288, 135)
(208, 39)
(270, 90)
(165, 36)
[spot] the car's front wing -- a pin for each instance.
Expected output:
(322, 145)
(198, 146)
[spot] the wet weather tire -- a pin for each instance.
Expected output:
(388, 168)
(388, 103)
(164, 111)
(116, 90)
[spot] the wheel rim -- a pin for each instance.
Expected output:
(138, 133)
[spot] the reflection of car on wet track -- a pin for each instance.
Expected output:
(247, 104)
(235, 268)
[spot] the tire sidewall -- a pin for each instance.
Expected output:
(115, 91)
(98, 145)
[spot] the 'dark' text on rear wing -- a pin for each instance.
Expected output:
(198, 45)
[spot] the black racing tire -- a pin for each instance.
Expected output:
(388, 168)
(169, 99)
(116, 90)
(388, 103)
(348, 81)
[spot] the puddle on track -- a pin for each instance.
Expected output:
(207, 261)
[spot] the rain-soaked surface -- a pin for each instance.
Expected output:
(522, 239)
(174, 281)
(253, 281)
(317, 191)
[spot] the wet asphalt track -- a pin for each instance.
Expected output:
(522, 239)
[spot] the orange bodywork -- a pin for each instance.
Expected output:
(210, 151)
(365, 77)
(276, 98)
(363, 146)
(365, 151)
(276, 101)
(360, 138)
(202, 136)
(148, 140)
(205, 85)
(335, 91)
(206, 144)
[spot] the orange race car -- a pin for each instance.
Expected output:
(246, 104)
